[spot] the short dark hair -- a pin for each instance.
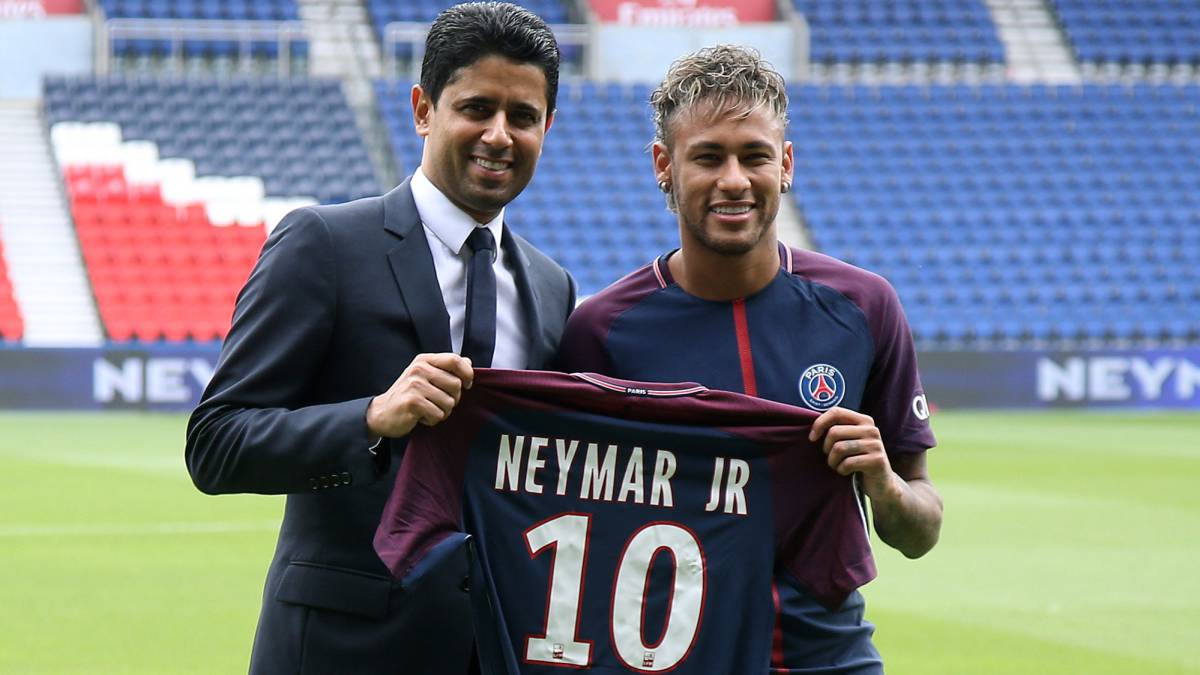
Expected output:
(463, 34)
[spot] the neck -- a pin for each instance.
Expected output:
(707, 274)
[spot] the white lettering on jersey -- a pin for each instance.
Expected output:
(508, 462)
(598, 474)
(535, 462)
(634, 482)
(566, 455)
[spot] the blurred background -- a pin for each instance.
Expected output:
(1026, 173)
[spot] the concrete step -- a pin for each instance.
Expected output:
(41, 251)
(66, 310)
(38, 251)
(32, 183)
(42, 215)
(54, 241)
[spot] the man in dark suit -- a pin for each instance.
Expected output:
(306, 400)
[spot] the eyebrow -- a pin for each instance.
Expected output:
(519, 106)
(713, 145)
(525, 107)
(478, 98)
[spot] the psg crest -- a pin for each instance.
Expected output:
(822, 386)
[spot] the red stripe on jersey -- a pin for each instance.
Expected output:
(777, 638)
(749, 387)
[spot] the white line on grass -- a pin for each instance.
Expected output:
(108, 529)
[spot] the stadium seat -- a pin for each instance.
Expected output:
(847, 31)
(11, 324)
(1043, 202)
(1131, 33)
(167, 240)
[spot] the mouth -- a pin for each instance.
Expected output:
(731, 210)
(494, 165)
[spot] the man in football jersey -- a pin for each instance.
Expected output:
(734, 309)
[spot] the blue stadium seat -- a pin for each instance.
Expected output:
(1050, 203)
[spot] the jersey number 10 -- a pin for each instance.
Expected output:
(566, 535)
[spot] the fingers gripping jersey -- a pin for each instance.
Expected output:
(624, 526)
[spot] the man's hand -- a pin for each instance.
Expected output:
(425, 392)
(853, 444)
(907, 508)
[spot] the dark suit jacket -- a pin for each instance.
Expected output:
(341, 300)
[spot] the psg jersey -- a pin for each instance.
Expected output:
(621, 526)
(821, 334)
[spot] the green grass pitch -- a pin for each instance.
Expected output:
(1071, 545)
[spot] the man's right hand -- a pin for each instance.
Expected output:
(425, 392)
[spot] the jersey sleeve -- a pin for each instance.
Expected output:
(894, 397)
(585, 342)
(420, 523)
(582, 349)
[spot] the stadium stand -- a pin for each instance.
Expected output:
(11, 325)
(1145, 32)
(157, 271)
(298, 135)
(901, 31)
(202, 10)
(383, 12)
(1012, 214)
(1004, 214)
(593, 204)
(168, 242)
(209, 10)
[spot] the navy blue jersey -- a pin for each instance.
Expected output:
(621, 526)
(821, 333)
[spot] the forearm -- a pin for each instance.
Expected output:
(277, 451)
(909, 517)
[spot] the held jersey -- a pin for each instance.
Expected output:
(623, 526)
(821, 334)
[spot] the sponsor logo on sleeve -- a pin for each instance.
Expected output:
(920, 407)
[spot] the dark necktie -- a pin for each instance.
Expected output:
(479, 332)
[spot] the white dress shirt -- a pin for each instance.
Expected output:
(447, 228)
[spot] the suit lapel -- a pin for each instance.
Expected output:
(416, 277)
(530, 294)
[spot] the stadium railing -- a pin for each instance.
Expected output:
(278, 39)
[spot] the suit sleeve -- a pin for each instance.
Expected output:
(255, 429)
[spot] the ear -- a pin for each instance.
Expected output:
(788, 162)
(549, 121)
(662, 161)
(422, 109)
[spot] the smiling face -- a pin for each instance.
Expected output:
(484, 136)
(726, 170)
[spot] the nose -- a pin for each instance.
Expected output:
(733, 178)
(496, 134)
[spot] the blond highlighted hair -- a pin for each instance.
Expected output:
(734, 80)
